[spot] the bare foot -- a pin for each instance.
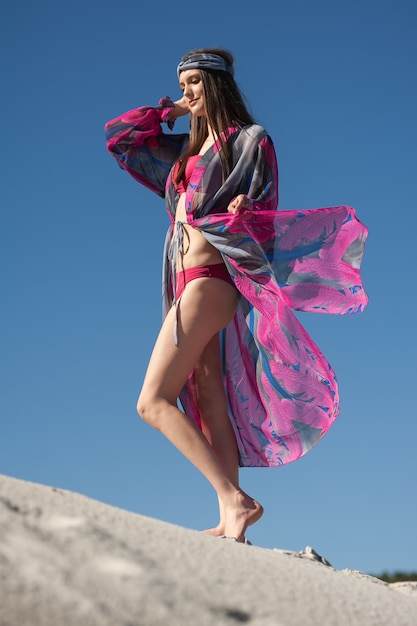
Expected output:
(240, 514)
(218, 531)
(215, 532)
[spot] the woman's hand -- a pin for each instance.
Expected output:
(180, 108)
(239, 204)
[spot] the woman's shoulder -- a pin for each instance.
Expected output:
(252, 133)
(255, 129)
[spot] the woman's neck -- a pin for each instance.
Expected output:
(211, 136)
(209, 140)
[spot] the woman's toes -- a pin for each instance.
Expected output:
(214, 532)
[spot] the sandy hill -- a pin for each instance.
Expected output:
(67, 560)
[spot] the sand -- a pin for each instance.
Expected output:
(68, 560)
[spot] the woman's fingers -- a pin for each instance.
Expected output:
(181, 107)
(238, 204)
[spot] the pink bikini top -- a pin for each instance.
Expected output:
(181, 186)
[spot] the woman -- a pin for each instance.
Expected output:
(255, 389)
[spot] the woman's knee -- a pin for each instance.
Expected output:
(151, 409)
(145, 409)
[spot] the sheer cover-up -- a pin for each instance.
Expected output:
(281, 391)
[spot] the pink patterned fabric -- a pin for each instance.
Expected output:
(181, 186)
(185, 276)
(282, 392)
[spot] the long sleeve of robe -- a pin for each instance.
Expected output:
(281, 391)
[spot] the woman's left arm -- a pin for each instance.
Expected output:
(262, 194)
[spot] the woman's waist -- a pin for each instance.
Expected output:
(190, 247)
(199, 257)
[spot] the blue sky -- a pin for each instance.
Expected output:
(334, 84)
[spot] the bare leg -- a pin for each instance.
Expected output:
(207, 305)
(216, 424)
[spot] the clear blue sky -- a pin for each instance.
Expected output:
(334, 84)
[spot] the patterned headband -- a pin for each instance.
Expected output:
(205, 62)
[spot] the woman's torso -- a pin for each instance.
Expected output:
(196, 250)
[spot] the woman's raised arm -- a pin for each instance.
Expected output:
(137, 141)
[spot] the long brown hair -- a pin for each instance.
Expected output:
(225, 107)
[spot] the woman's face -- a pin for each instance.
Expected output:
(192, 87)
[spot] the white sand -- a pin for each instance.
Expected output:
(67, 560)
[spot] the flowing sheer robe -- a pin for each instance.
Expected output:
(282, 393)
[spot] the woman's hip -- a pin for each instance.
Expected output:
(185, 276)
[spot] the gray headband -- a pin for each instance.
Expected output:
(204, 62)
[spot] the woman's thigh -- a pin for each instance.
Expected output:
(209, 383)
(206, 306)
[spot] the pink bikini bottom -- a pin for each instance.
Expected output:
(218, 270)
